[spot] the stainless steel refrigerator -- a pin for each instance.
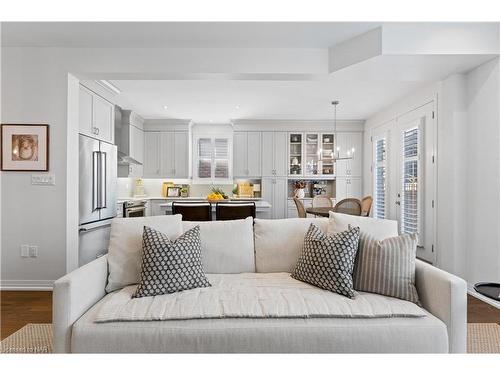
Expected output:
(97, 190)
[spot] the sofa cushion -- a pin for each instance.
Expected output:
(226, 246)
(387, 267)
(260, 335)
(328, 261)
(125, 246)
(170, 266)
(278, 243)
(378, 228)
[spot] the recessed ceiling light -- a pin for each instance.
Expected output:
(165, 107)
(237, 107)
(210, 121)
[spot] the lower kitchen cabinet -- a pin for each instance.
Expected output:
(154, 208)
(274, 191)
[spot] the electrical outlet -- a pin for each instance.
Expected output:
(25, 251)
(33, 251)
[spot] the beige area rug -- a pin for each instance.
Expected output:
(32, 339)
(37, 338)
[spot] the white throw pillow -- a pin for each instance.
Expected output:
(380, 229)
(226, 246)
(125, 246)
(278, 243)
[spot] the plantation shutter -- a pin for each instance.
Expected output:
(410, 214)
(380, 178)
(205, 158)
(221, 158)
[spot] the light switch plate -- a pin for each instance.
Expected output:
(25, 251)
(33, 251)
(43, 179)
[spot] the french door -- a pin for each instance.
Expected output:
(414, 181)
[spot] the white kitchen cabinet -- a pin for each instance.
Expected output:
(274, 154)
(181, 155)
(155, 208)
(347, 187)
(166, 154)
(247, 154)
(96, 116)
(274, 191)
(151, 164)
(347, 142)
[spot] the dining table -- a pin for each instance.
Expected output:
(319, 211)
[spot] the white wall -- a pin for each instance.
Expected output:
(483, 173)
(34, 89)
(468, 168)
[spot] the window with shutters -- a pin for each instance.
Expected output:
(410, 184)
(380, 181)
(212, 163)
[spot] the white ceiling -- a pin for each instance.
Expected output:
(181, 34)
(363, 90)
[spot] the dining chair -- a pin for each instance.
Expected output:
(322, 201)
(349, 206)
(366, 206)
(234, 210)
(300, 208)
(193, 211)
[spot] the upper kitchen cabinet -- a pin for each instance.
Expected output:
(274, 160)
(96, 116)
(247, 154)
(166, 154)
(350, 144)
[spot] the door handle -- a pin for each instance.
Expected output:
(103, 191)
(95, 180)
(398, 203)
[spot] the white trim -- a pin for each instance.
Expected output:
(26, 284)
(297, 125)
(489, 301)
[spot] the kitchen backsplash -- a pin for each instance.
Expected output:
(153, 187)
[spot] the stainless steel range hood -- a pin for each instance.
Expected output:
(124, 159)
(122, 137)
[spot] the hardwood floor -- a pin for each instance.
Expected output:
(21, 308)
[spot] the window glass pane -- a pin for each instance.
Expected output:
(380, 179)
(409, 199)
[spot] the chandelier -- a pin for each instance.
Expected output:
(336, 155)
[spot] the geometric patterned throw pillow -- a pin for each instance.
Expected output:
(170, 266)
(328, 262)
(387, 267)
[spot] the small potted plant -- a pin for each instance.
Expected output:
(299, 186)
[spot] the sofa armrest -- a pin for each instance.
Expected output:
(73, 295)
(445, 296)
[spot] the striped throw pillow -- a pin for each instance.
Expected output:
(387, 267)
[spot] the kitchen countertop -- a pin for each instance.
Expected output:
(259, 205)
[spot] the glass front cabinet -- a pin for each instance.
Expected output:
(311, 154)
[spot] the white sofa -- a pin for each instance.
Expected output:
(274, 247)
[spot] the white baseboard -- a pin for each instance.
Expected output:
(26, 284)
(489, 301)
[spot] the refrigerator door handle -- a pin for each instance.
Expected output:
(103, 172)
(95, 181)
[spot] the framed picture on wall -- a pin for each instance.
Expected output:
(24, 147)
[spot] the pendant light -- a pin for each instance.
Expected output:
(336, 155)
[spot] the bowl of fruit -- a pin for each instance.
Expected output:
(216, 195)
